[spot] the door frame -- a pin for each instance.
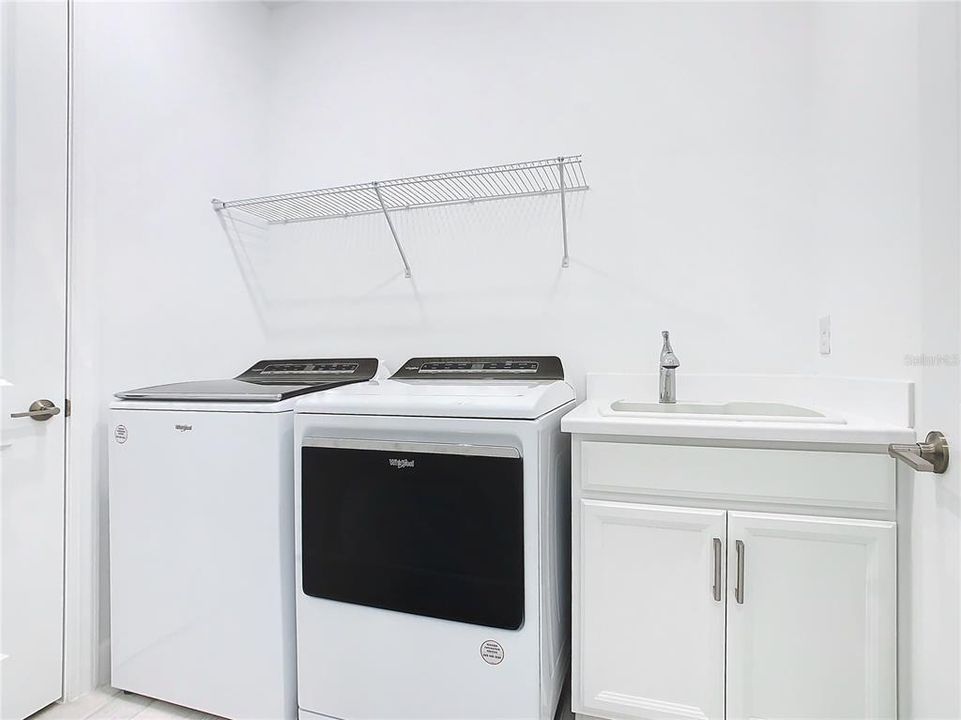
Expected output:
(75, 600)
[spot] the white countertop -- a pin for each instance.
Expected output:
(875, 412)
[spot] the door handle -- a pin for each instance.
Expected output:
(930, 456)
(739, 585)
(717, 570)
(40, 410)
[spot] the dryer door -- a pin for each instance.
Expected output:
(428, 529)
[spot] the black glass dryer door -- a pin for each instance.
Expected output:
(433, 530)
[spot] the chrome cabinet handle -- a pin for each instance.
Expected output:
(717, 569)
(930, 456)
(40, 410)
(739, 586)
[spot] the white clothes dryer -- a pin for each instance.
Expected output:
(433, 543)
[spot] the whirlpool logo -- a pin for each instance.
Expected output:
(400, 463)
(183, 428)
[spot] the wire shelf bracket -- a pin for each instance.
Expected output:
(561, 176)
(393, 232)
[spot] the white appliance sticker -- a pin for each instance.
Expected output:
(120, 434)
(491, 652)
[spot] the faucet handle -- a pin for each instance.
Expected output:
(668, 358)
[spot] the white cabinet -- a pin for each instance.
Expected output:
(652, 611)
(727, 606)
(811, 632)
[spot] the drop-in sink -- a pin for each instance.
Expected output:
(737, 411)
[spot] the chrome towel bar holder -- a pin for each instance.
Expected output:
(930, 456)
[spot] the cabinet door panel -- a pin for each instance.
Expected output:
(812, 634)
(650, 635)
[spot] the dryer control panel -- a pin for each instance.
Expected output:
(520, 367)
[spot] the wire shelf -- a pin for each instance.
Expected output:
(559, 176)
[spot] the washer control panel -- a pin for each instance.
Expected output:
(311, 368)
(309, 371)
(534, 367)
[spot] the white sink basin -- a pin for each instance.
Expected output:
(737, 411)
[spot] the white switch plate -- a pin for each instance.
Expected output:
(824, 336)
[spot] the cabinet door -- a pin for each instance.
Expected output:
(650, 626)
(811, 618)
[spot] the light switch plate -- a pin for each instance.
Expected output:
(824, 335)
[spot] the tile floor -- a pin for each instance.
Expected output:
(110, 704)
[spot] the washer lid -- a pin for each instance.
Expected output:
(267, 381)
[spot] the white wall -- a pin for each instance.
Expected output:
(752, 167)
(928, 505)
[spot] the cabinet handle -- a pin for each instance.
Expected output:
(739, 586)
(717, 569)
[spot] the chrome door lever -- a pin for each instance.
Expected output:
(40, 410)
(929, 456)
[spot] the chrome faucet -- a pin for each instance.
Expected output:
(669, 363)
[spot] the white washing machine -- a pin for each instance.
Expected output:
(202, 539)
(433, 543)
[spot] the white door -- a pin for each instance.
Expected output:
(651, 634)
(33, 130)
(812, 628)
